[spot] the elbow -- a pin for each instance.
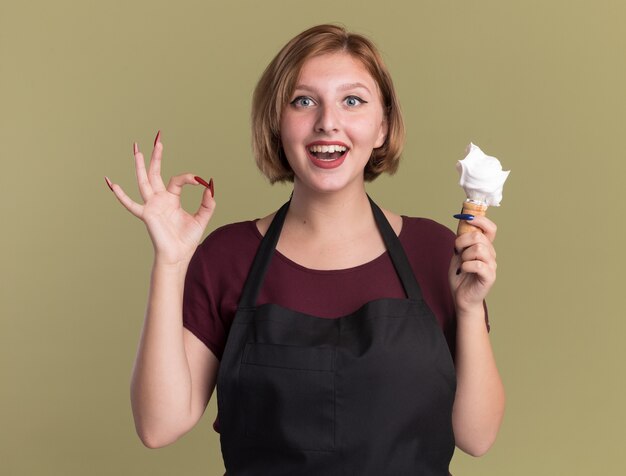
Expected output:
(151, 443)
(154, 440)
(155, 436)
(478, 448)
(157, 433)
(479, 441)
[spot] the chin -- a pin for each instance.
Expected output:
(330, 184)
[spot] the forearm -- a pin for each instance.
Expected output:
(479, 403)
(161, 380)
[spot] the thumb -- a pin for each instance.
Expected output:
(207, 205)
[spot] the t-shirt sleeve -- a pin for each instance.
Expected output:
(200, 314)
(214, 280)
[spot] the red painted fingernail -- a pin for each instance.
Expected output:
(106, 179)
(209, 185)
(156, 139)
(201, 181)
(135, 148)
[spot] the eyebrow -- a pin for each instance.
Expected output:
(343, 87)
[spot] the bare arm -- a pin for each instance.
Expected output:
(174, 373)
(479, 403)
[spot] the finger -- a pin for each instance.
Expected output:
(133, 207)
(483, 251)
(176, 183)
(154, 170)
(206, 208)
(488, 227)
(466, 240)
(145, 189)
(485, 272)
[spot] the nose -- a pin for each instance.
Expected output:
(327, 119)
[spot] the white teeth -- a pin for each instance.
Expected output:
(328, 148)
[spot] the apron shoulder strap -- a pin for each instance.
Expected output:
(262, 260)
(397, 254)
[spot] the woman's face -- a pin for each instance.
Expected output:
(333, 121)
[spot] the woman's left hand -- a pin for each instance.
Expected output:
(473, 266)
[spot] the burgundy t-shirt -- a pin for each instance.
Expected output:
(219, 267)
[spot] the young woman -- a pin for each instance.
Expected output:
(344, 339)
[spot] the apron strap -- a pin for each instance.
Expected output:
(262, 260)
(397, 254)
(263, 257)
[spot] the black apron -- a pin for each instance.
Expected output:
(369, 393)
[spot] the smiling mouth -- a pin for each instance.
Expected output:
(327, 152)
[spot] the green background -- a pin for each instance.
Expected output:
(538, 84)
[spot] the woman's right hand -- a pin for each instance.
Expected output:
(175, 234)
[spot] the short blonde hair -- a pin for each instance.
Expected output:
(276, 85)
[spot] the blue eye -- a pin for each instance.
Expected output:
(353, 101)
(302, 101)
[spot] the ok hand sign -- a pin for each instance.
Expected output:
(175, 234)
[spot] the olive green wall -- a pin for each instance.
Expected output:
(539, 84)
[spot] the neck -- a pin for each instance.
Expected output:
(331, 213)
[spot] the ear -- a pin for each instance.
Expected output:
(382, 134)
